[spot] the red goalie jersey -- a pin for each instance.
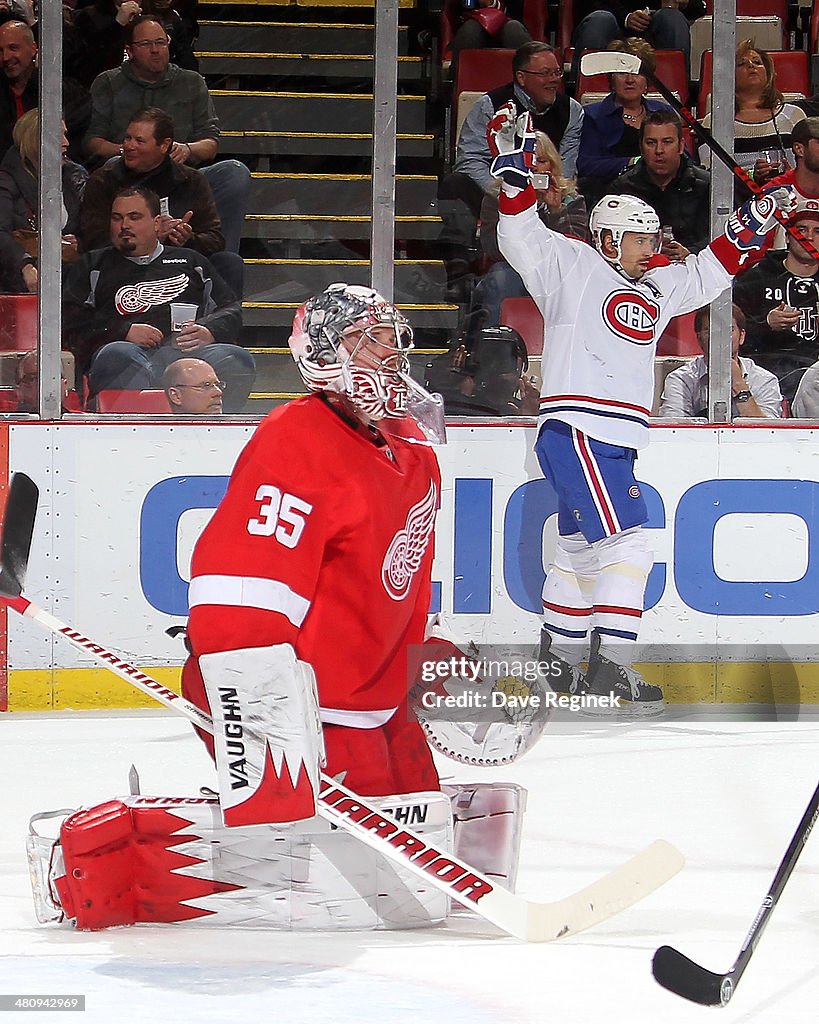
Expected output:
(324, 540)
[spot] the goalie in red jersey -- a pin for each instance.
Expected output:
(313, 576)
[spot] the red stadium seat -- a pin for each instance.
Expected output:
(8, 400)
(133, 401)
(679, 338)
(792, 76)
(535, 17)
(18, 323)
(524, 316)
(478, 72)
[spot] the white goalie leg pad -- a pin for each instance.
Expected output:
(266, 733)
(141, 859)
(488, 820)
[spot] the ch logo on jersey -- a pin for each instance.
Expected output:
(136, 298)
(631, 316)
(406, 550)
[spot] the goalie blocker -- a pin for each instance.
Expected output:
(141, 859)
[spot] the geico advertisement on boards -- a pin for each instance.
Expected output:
(732, 522)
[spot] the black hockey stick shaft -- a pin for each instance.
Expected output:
(682, 976)
(705, 136)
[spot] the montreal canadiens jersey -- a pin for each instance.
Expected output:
(601, 329)
(324, 541)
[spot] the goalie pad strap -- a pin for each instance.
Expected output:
(163, 859)
(266, 734)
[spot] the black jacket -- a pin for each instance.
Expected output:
(683, 203)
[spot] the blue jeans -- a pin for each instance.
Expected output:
(126, 366)
(229, 181)
(669, 30)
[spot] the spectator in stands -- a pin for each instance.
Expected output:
(485, 376)
(763, 121)
(559, 207)
(102, 26)
(18, 206)
(780, 298)
(17, 10)
(754, 391)
(804, 177)
(148, 79)
(19, 89)
(135, 306)
(192, 387)
(666, 179)
(490, 23)
(26, 383)
(189, 216)
(536, 76)
(665, 24)
(610, 140)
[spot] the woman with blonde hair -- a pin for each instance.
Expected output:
(19, 184)
(559, 206)
(763, 121)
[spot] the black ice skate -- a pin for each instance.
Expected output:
(561, 676)
(606, 677)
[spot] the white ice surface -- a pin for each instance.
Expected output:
(729, 795)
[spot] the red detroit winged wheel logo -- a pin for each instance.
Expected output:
(406, 551)
(631, 316)
(136, 298)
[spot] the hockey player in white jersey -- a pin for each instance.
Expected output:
(603, 310)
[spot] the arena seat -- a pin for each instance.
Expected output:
(535, 17)
(679, 338)
(478, 72)
(764, 21)
(153, 401)
(524, 316)
(18, 323)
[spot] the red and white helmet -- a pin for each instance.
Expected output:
(619, 214)
(324, 363)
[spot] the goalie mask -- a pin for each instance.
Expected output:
(617, 215)
(351, 341)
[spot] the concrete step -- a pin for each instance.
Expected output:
(304, 228)
(311, 113)
(307, 65)
(329, 144)
(287, 280)
(327, 5)
(279, 194)
(290, 37)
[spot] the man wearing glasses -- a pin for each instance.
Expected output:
(536, 86)
(148, 79)
(193, 389)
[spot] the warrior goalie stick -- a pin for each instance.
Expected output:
(606, 62)
(530, 921)
(685, 978)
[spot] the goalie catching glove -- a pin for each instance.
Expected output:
(469, 718)
(511, 137)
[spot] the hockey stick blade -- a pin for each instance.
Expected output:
(674, 971)
(18, 529)
(609, 62)
(685, 978)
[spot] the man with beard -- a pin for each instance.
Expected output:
(137, 305)
(779, 297)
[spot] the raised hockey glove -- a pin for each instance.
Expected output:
(511, 138)
(748, 227)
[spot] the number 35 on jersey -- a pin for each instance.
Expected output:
(281, 516)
